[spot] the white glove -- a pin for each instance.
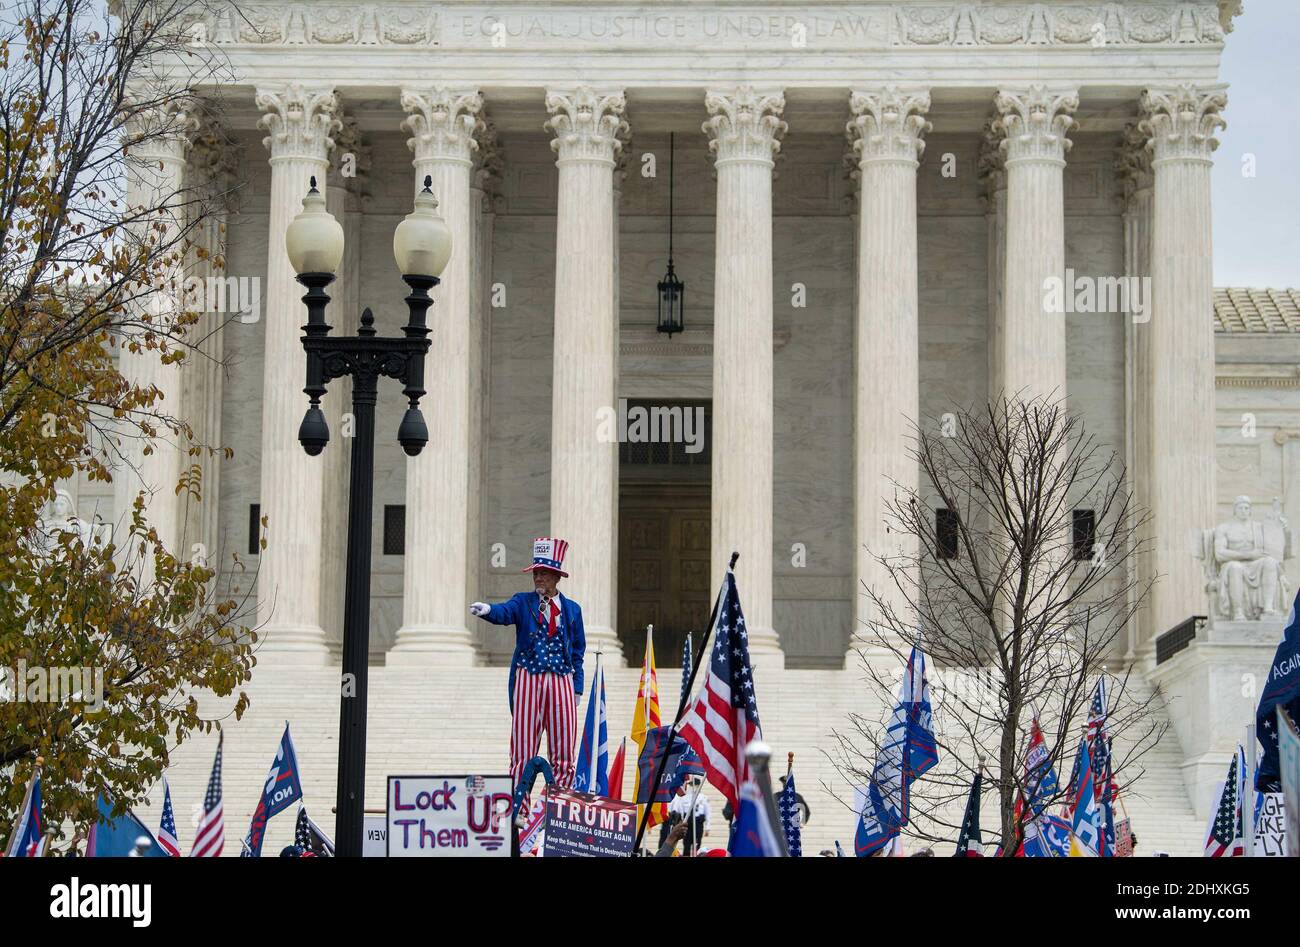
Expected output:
(479, 609)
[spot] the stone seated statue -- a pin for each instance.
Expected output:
(60, 515)
(1243, 564)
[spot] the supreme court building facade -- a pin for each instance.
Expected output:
(868, 198)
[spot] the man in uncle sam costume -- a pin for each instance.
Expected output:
(546, 669)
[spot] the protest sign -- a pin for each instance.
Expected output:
(1271, 827)
(580, 825)
(374, 836)
(448, 816)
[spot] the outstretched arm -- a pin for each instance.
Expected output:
(502, 613)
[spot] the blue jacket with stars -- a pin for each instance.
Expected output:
(521, 610)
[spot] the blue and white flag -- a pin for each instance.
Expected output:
(755, 836)
(1085, 830)
(282, 789)
(592, 773)
(908, 751)
(1047, 836)
(788, 805)
(1282, 687)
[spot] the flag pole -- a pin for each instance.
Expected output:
(595, 730)
(681, 710)
(759, 756)
(695, 796)
(1248, 797)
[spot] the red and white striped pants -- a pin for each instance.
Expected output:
(544, 702)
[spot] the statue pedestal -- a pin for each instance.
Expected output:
(1211, 689)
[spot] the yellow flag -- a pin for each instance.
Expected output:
(645, 717)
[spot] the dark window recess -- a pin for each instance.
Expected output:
(1085, 534)
(394, 530)
(254, 528)
(655, 433)
(945, 533)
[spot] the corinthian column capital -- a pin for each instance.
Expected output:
(1181, 122)
(744, 124)
(888, 124)
(992, 165)
(161, 132)
(444, 123)
(587, 123)
(1034, 121)
(300, 120)
(1133, 162)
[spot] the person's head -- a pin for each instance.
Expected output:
(924, 853)
(1241, 508)
(545, 581)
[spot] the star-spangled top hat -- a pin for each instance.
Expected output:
(549, 553)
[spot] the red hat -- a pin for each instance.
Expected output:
(548, 554)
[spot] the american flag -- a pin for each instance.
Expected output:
(723, 720)
(1097, 712)
(167, 828)
(308, 837)
(686, 670)
(210, 837)
(1227, 835)
(788, 804)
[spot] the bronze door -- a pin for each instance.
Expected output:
(663, 564)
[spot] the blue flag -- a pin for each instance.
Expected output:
(116, 837)
(755, 836)
(281, 790)
(1085, 830)
(593, 751)
(27, 838)
(1281, 688)
(682, 762)
(1047, 836)
(908, 751)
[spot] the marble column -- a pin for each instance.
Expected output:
(886, 131)
(300, 121)
(1133, 168)
(155, 184)
(1034, 122)
(443, 123)
(621, 160)
(993, 173)
(349, 169)
(587, 124)
(744, 128)
(484, 186)
(1181, 123)
(214, 165)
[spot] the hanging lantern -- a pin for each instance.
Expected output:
(672, 291)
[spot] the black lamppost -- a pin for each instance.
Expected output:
(421, 246)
